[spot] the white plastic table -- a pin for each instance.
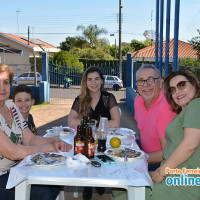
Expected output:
(132, 176)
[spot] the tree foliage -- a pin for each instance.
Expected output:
(92, 54)
(67, 59)
(91, 33)
(190, 62)
(196, 42)
(71, 42)
(137, 45)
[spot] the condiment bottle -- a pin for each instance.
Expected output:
(89, 144)
(79, 142)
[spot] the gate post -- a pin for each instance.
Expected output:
(44, 90)
(134, 74)
(44, 66)
(128, 70)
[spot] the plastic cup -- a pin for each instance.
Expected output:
(103, 124)
(56, 131)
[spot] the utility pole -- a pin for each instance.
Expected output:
(115, 49)
(28, 35)
(18, 11)
(120, 48)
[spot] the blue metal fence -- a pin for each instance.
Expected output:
(65, 81)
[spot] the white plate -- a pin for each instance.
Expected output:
(49, 157)
(65, 131)
(122, 158)
(120, 132)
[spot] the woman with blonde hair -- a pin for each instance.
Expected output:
(94, 101)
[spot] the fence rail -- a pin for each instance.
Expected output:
(65, 82)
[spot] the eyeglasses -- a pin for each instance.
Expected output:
(181, 86)
(149, 81)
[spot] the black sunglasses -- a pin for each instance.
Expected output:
(181, 86)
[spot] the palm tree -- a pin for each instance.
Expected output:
(91, 33)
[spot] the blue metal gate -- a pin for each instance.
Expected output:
(65, 82)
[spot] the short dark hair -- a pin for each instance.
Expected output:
(190, 77)
(22, 88)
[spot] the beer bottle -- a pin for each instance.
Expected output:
(79, 142)
(88, 118)
(89, 144)
(84, 127)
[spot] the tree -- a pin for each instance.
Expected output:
(71, 42)
(137, 45)
(67, 59)
(92, 54)
(196, 42)
(91, 33)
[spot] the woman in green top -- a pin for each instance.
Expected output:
(183, 138)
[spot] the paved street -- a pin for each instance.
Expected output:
(72, 92)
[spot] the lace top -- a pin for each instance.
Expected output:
(102, 109)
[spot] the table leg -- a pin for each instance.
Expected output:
(136, 193)
(22, 191)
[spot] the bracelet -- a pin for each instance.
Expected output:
(163, 175)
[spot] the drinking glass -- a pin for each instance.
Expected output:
(103, 124)
(56, 131)
(102, 134)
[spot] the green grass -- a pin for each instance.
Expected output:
(39, 105)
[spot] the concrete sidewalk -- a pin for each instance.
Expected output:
(47, 116)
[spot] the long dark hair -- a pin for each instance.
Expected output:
(190, 77)
(85, 99)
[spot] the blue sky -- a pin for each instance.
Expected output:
(54, 20)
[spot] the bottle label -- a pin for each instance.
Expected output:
(91, 149)
(79, 147)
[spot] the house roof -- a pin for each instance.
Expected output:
(35, 44)
(185, 50)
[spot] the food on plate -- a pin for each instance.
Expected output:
(67, 130)
(121, 152)
(52, 157)
(115, 142)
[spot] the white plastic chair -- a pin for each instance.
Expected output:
(61, 196)
(120, 112)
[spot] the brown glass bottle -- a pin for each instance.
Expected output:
(88, 118)
(84, 127)
(89, 144)
(79, 142)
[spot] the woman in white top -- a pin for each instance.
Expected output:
(18, 142)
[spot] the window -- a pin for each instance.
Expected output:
(31, 75)
(24, 75)
(109, 78)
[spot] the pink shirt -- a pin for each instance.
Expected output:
(152, 122)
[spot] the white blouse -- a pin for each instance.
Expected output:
(14, 132)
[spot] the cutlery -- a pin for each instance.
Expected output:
(46, 160)
(126, 155)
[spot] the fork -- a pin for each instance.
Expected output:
(126, 155)
(46, 160)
